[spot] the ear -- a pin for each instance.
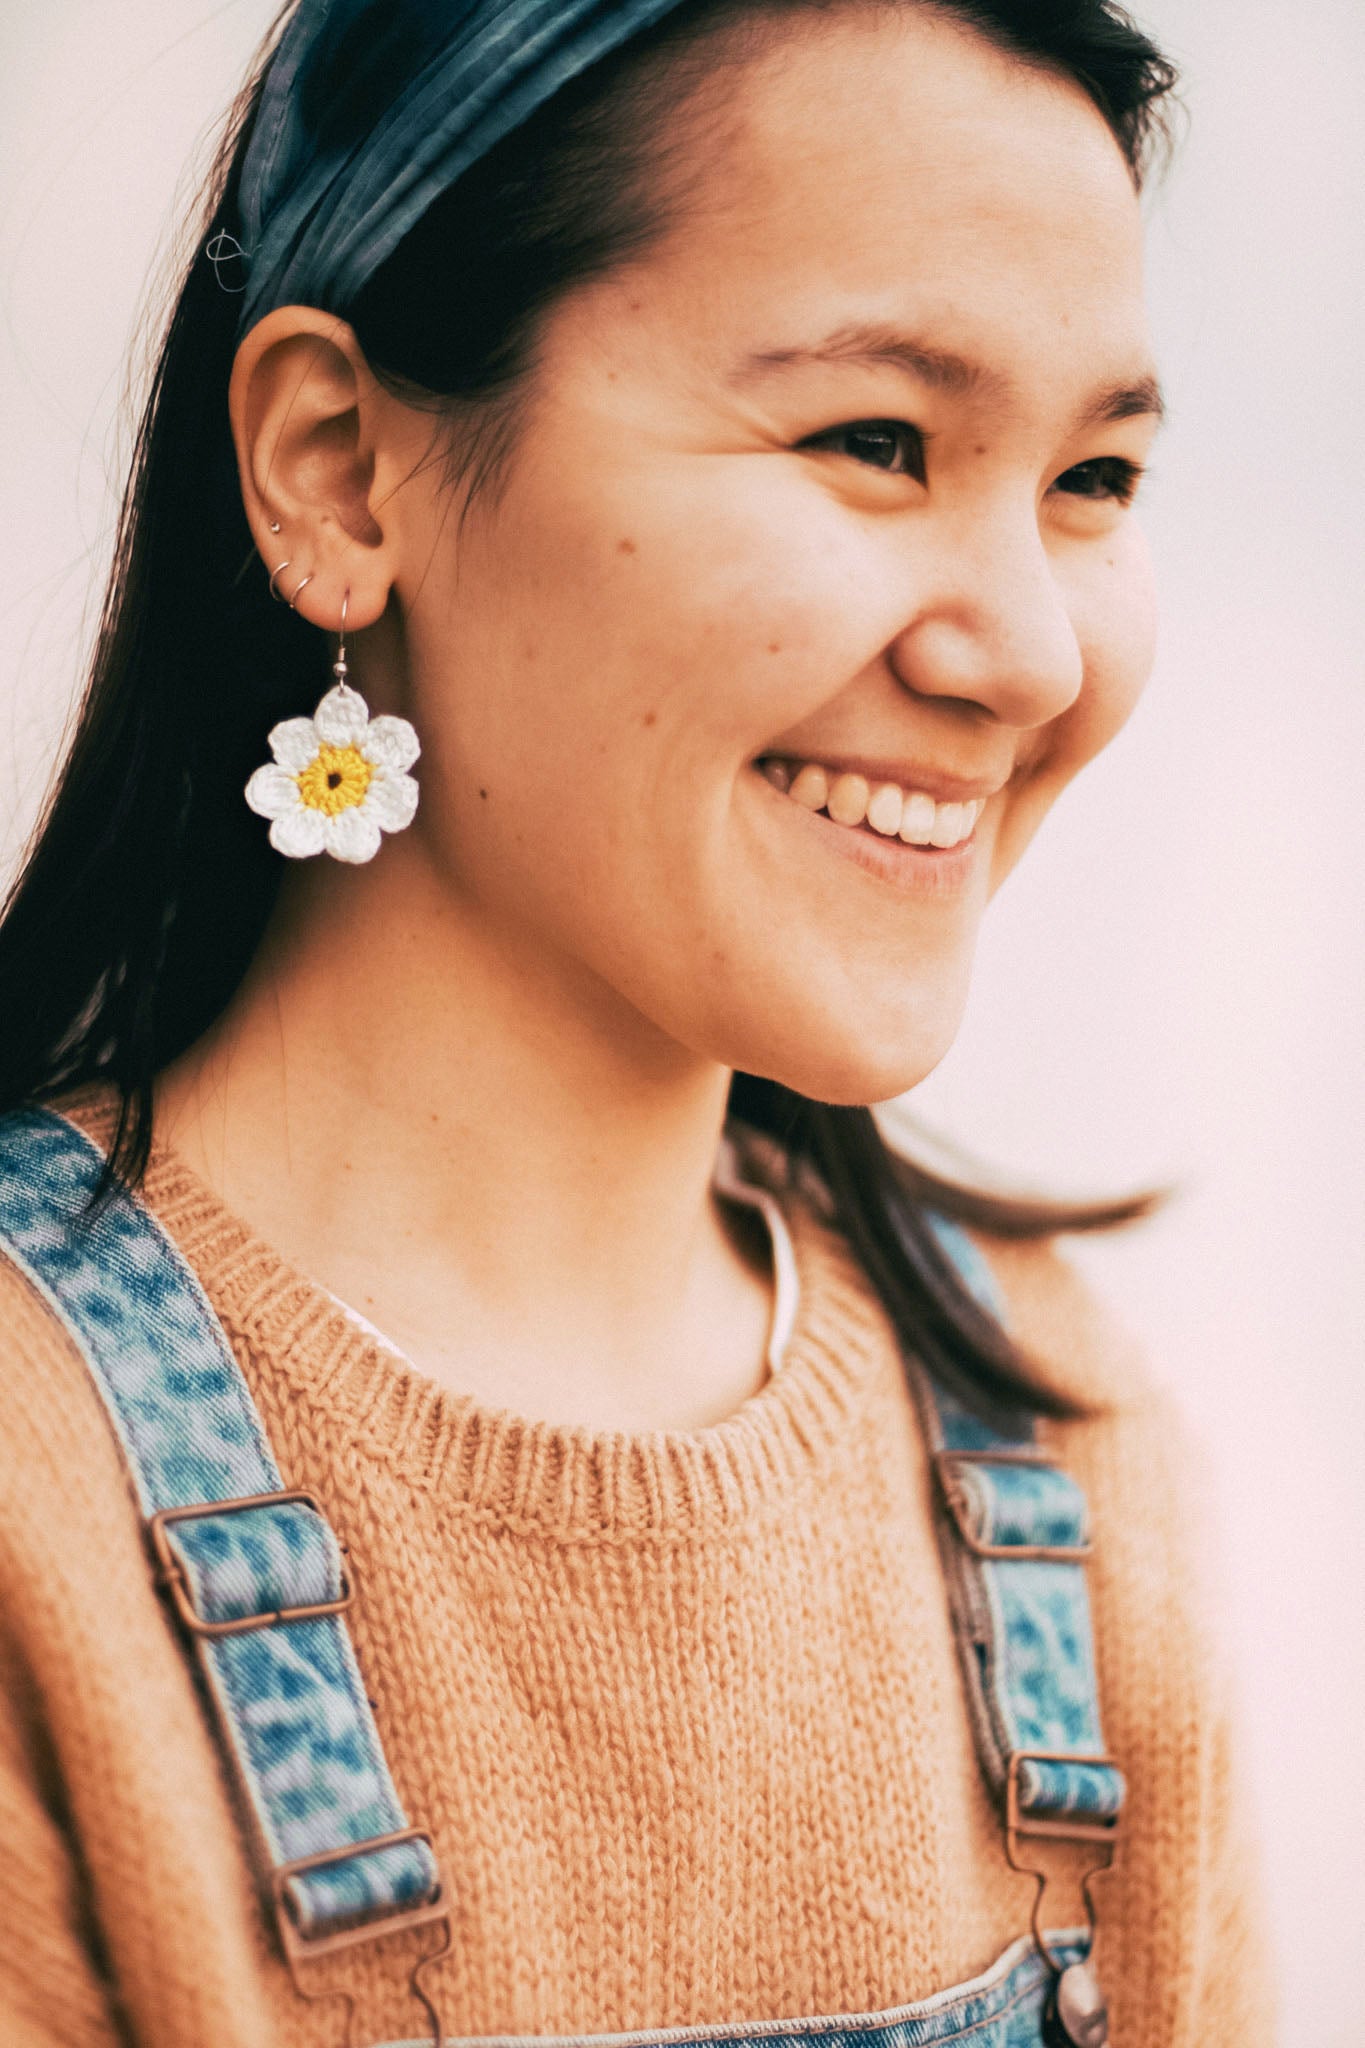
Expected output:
(320, 451)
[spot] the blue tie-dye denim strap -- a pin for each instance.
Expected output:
(287, 1691)
(372, 108)
(1016, 1537)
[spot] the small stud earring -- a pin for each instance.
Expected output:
(274, 526)
(338, 779)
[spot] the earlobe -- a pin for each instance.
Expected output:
(301, 400)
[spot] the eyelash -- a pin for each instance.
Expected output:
(1117, 477)
(886, 428)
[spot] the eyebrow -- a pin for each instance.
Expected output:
(875, 346)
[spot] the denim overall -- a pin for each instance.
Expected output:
(258, 1581)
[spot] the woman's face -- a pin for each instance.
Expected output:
(822, 495)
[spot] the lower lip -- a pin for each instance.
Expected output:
(921, 870)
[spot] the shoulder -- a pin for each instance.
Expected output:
(1146, 1470)
(70, 1550)
(1148, 1473)
(1162, 1622)
(56, 1446)
(1066, 1326)
(37, 1193)
(50, 1411)
(1145, 1467)
(29, 1332)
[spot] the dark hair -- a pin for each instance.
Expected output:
(147, 890)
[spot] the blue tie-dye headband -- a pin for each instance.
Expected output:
(372, 108)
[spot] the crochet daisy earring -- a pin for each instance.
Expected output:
(338, 779)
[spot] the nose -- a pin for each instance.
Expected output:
(990, 625)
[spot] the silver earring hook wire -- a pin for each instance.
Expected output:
(339, 667)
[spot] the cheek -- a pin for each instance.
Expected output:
(673, 620)
(1116, 623)
(617, 643)
(1112, 604)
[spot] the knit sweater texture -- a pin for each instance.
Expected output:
(680, 1710)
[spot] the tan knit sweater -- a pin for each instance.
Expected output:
(681, 1711)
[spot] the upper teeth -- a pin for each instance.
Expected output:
(885, 806)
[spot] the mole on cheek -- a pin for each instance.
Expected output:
(774, 647)
(626, 547)
(650, 718)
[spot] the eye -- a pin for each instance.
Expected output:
(1107, 477)
(891, 445)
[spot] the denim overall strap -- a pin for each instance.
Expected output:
(1014, 1534)
(1015, 1540)
(255, 1571)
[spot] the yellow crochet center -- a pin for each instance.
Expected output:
(334, 779)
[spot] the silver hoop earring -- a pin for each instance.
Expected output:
(339, 779)
(278, 570)
(293, 602)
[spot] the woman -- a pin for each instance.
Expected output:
(692, 447)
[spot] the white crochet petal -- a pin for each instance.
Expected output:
(271, 792)
(299, 833)
(351, 834)
(391, 742)
(294, 742)
(391, 800)
(341, 718)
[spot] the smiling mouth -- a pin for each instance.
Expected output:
(881, 808)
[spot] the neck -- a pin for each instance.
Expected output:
(455, 1137)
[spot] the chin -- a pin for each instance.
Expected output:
(828, 1063)
(853, 1084)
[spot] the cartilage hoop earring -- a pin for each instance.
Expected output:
(337, 780)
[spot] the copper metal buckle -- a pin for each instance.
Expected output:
(1017, 1822)
(304, 1948)
(299, 1948)
(1104, 1834)
(172, 1574)
(945, 1465)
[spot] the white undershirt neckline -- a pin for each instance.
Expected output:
(728, 1181)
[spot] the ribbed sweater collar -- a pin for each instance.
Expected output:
(565, 1483)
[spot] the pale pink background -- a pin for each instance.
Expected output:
(1174, 984)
